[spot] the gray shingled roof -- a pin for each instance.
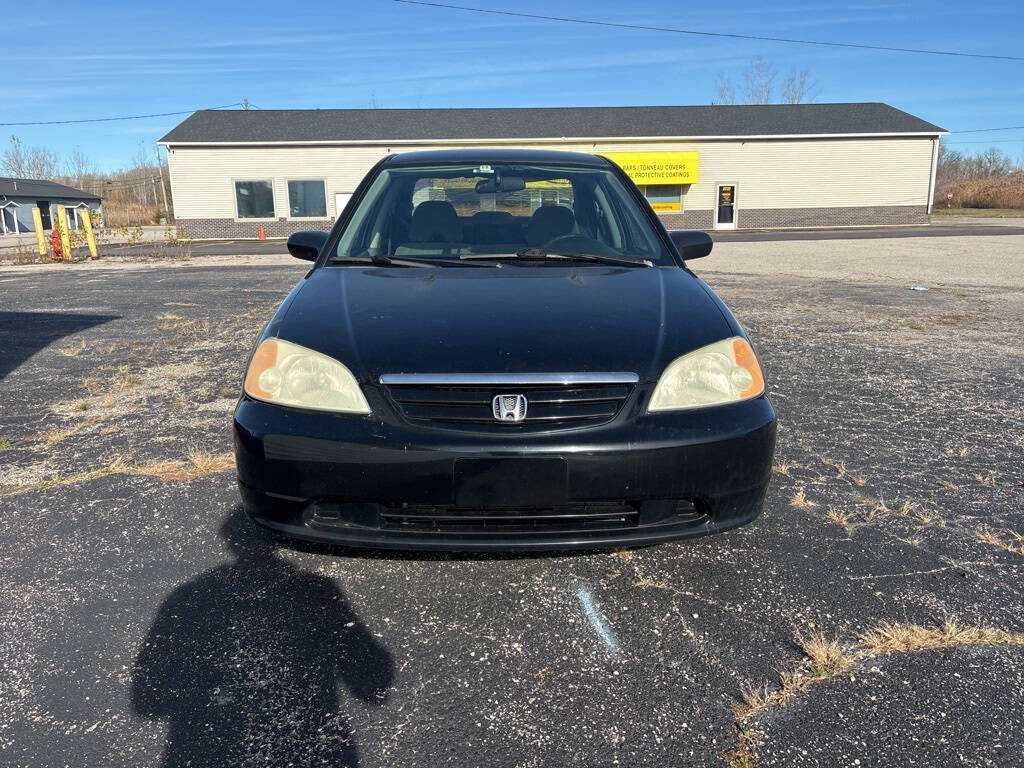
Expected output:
(327, 125)
(49, 190)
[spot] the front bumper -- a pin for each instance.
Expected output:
(363, 482)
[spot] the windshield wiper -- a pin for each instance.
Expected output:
(528, 254)
(383, 260)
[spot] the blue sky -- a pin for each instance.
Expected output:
(120, 58)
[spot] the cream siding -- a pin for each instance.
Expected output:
(781, 173)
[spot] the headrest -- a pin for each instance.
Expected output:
(549, 222)
(435, 221)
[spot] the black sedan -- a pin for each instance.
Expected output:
(502, 350)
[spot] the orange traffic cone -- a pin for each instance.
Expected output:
(263, 234)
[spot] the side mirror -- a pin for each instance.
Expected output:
(691, 243)
(306, 245)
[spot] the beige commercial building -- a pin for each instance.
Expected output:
(233, 172)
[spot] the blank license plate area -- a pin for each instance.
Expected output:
(514, 482)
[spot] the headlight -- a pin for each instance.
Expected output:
(719, 373)
(287, 374)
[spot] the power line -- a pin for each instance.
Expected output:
(985, 141)
(731, 35)
(111, 119)
(987, 130)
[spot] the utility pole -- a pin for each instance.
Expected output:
(163, 189)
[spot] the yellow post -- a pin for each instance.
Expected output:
(62, 224)
(87, 225)
(37, 220)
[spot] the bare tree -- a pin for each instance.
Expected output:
(14, 161)
(992, 163)
(759, 82)
(30, 163)
(726, 90)
(78, 168)
(43, 163)
(759, 86)
(798, 87)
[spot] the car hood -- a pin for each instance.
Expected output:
(516, 319)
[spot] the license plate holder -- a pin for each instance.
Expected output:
(511, 482)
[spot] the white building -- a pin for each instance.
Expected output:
(782, 165)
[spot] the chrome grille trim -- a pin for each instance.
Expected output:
(488, 379)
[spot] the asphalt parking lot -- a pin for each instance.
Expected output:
(144, 621)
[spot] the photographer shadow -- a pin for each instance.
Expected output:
(244, 663)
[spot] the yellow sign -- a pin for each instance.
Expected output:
(657, 167)
(676, 206)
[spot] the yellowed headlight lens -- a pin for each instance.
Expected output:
(286, 374)
(720, 373)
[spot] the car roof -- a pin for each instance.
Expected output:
(477, 155)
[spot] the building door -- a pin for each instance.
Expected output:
(725, 207)
(44, 213)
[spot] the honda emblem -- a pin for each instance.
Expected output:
(509, 407)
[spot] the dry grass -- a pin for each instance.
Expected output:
(623, 554)
(889, 637)
(1001, 192)
(1014, 544)
(53, 436)
(907, 508)
(837, 517)
(125, 379)
(878, 510)
(859, 480)
(949, 486)
(197, 464)
(205, 463)
(782, 468)
(115, 466)
(182, 327)
(800, 501)
(924, 518)
(742, 755)
(73, 351)
(824, 658)
(987, 478)
(92, 385)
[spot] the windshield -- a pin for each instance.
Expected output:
(464, 211)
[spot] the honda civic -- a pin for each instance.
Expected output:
(501, 349)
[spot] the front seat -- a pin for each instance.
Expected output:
(435, 221)
(549, 222)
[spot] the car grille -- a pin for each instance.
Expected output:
(549, 406)
(578, 517)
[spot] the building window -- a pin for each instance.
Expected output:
(664, 197)
(307, 199)
(255, 199)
